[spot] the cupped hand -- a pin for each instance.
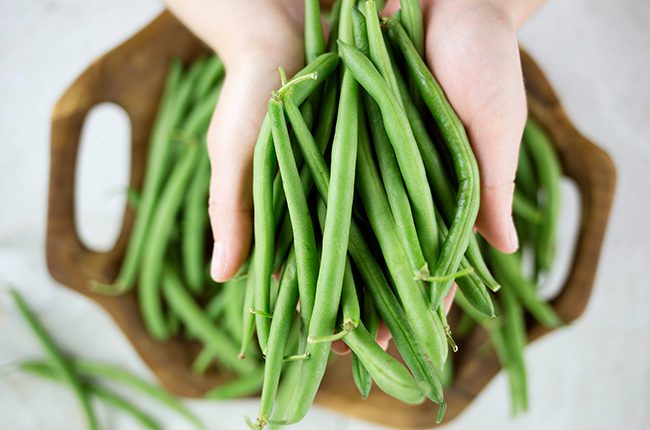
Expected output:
(252, 38)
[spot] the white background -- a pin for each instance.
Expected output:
(594, 374)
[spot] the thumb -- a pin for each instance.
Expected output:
(231, 139)
(477, 62)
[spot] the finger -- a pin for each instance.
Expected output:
(383, 336)
(480, 71)
(340, 348)
(231, 139)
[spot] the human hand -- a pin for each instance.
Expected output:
(252, 39)
(471, 48)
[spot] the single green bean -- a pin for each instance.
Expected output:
(314, 38)
(234, 292)
(547, 166)
(302, 227)
(161, 228)
(248, 319)
(218, 341)
(243, 386)
(411, 17)
(58, 362)
(46, 371)
(362, 378)
(281, 324)
(388, 373)
(526, 179)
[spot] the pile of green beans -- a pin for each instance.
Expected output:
(366, 192)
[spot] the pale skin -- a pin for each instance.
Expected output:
(471, 47)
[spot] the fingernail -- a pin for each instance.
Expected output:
(218, 261)
(513, 239)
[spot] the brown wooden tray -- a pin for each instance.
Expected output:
(132, 75)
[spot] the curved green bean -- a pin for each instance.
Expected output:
(58, 362)
(246, 385)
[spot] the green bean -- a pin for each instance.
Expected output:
(371, 272)
(183, 304)
(281, 324)
(161, 228)
(361, 377)
(60, 365)
(194, 225)
(465, 165)
(507, 267)
(388, 373)
(336, 233)
(349, 301)
(215, 307)
(284, 399)
(45, 370)
(314, 38)
(526, 179)
(302, 227)
(548, 169)
(515, 340)
(154, 392)
(263, 166)
(234, 292)
(373, 196)
(411, 17)
(524, 208)
(248, 319)
(455, 137)
(401, 137)
(243, 386)
(202, 361)
(335, 13)
(176, 98)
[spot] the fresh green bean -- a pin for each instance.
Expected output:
(281, 324)
(515, 340)
(525, 178)
(234, 292)
(161, 228)
(243, 386)
(202, 361)
(411, 17)
(401, 137)
(215, 307)
(507, 267)
(183, 304)
(349, 301)
(47, 371)
(303, 229)
(388, 373)
(548, 169)
(336, 233)
(361, 377)
(195, 221)
(264, 162)
(58, 362)
(248, 319)
(314, 38)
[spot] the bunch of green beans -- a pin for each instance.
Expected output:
(366, 192)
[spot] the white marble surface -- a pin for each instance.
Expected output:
(594, 374)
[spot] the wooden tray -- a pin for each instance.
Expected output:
(132, 75)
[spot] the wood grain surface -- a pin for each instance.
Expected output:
(132, 74)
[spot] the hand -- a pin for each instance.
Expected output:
(252, 38)
(471, 48)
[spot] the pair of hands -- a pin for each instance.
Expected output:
(471, 48)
